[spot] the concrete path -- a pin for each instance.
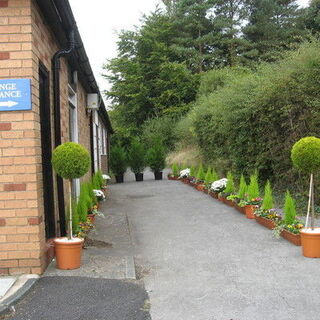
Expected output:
(202, 260)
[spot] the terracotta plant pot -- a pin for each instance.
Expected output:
(68, 253)
(291, 237)
(310, 243)
(200, 187)
(270, 224)
(249, 211)
(214, 194)
(238, 208)
(229, 203)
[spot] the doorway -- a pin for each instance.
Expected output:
(46, 145)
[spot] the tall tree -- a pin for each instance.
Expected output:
(229, 16)
(312, 16)
(193, 33)
(146, 80)
(274, 26)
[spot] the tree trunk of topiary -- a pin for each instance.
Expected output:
(311, 203)
(70, 212)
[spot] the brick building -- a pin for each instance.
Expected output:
(39, 42)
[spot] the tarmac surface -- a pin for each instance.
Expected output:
(79, 298)
(195, 257)
(203, 260)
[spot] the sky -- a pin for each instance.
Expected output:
(99, 21)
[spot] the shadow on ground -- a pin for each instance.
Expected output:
(78, 298)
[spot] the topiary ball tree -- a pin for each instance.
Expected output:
(70, 161)
(305, 155)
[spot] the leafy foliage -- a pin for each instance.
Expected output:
(252, 119)
(289, 209)
(242, 187)
(175, 170)
(200, 174)
(75, 216)
(137, 157)
(267, 203)
(274, 26)
(230, 183)
(156, 157)
(70, 160)
(253, 188)
(214, 175)
(97, 180)
(161, 129)
(118, 160)
(193, 171)
(305, 154)
(84, 202)
(208, 176)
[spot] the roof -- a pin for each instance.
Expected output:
(60, 18)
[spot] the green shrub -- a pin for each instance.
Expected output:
(118, 162)
(100, 178)
(242, 188)
(175, 170)
(96, 182)
(253, 188)
(75, 216)
(84, 202)
(70, 160)
(267, 203)
(200, 174)
(208, 176)
(289, 209)
(156, 157)
(241, 118)
(193, 171)
(159, 129)
(230, 183)
(91, 193)
(137, 157)
(305, 154)
(214, 175)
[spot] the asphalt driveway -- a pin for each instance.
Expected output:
(202, 260)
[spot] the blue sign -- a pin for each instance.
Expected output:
(15, 94)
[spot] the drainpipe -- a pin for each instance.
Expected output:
(57, 122)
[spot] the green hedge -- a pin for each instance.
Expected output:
(252, 119)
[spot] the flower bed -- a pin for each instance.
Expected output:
(291, 237)
(172, 177)
(267, 218)
(268, 223)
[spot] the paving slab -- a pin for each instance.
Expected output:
(5, 284)
(202, 260)
(115, 261)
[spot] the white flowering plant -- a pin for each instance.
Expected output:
(185, 173)
(99, 194)
(219, 185)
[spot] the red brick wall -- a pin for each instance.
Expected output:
(24, 41)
